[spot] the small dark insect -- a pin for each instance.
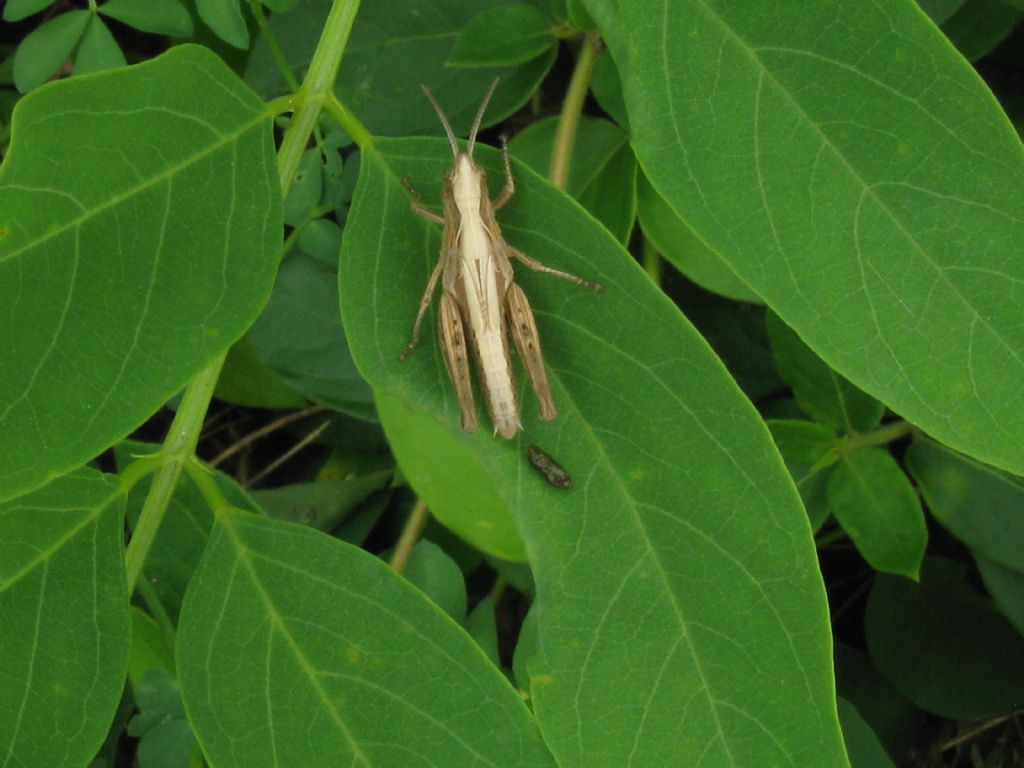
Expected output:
(553, 472)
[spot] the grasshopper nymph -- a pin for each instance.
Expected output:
(478, 291)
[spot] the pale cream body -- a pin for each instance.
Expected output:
(482, 284)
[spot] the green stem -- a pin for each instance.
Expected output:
(410, 535)
(316, 88)
(178, 448)
(652, 262)
(881, 436)
(256, 7)
(569, 120)
(349, 122)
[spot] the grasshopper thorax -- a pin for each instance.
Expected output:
(468, 185)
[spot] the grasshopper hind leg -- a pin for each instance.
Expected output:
(527, 341)
(456, 358)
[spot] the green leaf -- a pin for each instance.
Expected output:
(607, 89)
(1006, 585)
(145, 258)
(680, 245)
(64, 632)
(246, 380)
(16, 10)
(321, 239)
(736, 332)
(940, 10)
(805, 441)
(98, 50)
(45, 49)
(861, 743)
(872, 201)
(434, 573)
(383, 90)
(578, 16)
(943, 646)
(978, 504)
(482, 627)
(602, 173)
(622, 560)
(821, 392)
(304, 192)
(897, 722)
(166, 739)
(300, 336)
(503, 36)
(464, 500)
(149, 649)
(347, 641)
(978, 26)
(876, 505)
(321, 505)
(225, 18)
(161, 17)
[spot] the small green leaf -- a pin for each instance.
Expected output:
(321, 505)
(64, 631)
(149, 649)
(607, 89)
(940, 10)
(300, 336)
(876, 505)
(143, 259)
(321, 239)
(680, 245)
(861, 743)
(345, 640)
(482, 627)
(246, 380)
(978, 504)
(804, 441)
(16, 10)
(578, 16)
(225, 18)
(465, 501)
(304, 192)
(161, 17)
(98, 49)
(944, 646)
(809, 450)
(1006, 585)
(602, 172)
(822, 393)
(978, 26)
(435, 574)
(503, 36)
(46, 48)
(166, 739)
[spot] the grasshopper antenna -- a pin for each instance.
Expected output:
(444, 120)
(480, 116)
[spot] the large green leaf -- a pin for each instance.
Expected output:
(681, 610)
(63, 620)
(295, 644)
(140, 221)
(859, 176)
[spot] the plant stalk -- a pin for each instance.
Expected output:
(572, 107)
